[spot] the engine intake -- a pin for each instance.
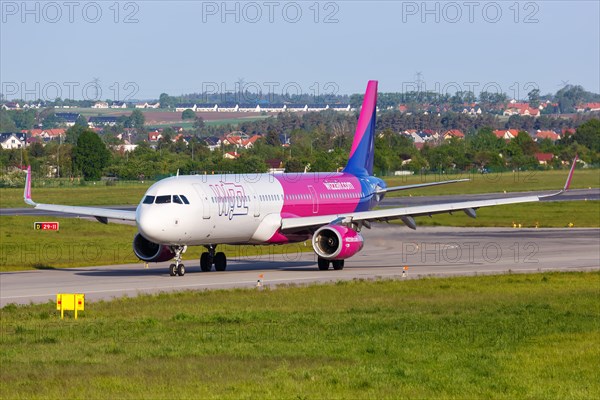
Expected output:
(149, 251)
(336, 242)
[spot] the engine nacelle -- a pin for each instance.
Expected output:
(149, 251)
(336, 242)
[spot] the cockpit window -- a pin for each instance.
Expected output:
(185, 200)
(163, 199)
(177, 200)
(148, 200)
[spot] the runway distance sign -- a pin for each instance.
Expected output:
(45, 226)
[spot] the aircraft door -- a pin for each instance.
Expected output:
(315, 199)
(205, 199)
(255, 201)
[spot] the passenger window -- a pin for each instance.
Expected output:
(177, 200)
(163, 199)
(148, 200)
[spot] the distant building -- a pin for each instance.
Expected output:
(100, 104)
(185, 106)
(69, 119)
(453, 133)
(102, 121)
(544, 158)
(148, 105)
(506, 134)
(13, 140)
(541, 135)
(118, 104)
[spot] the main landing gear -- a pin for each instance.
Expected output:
(323, 264)
(178, 268)
(210, 258)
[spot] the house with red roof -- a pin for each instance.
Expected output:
(523, 109)
(588, 107)
(453, 133)
(506, 134)
(541, 135)
(154, 136)
(231, 155)
(544, 158)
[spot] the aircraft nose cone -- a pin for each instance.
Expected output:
(149, 224)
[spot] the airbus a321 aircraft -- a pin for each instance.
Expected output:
(332, 208)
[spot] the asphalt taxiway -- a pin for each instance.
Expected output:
(429, 251)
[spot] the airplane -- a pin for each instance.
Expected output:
(268, 209)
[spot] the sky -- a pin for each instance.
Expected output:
(131, 50)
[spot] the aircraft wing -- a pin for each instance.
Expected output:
(407, 214)
(418, 185)
(101, 214)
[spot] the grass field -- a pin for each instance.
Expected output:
(131, 193)
(523, 181)
(503, 337)
(582, 214)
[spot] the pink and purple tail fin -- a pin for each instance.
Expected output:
(360, 161)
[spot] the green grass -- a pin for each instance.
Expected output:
(503, 337)
(88, 195)
(582, 214)
(523, 181)
(81, 243)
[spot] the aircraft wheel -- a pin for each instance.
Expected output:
(181, 270)
(323, 264)
(205, 264)
(338, 264)
(220, 261)
(172, 270)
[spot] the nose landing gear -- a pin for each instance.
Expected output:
(178, 268)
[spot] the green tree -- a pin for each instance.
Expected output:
(81, 121)
(166, 101)
(90, 156)
(72, 134)
(6, 122)
(188, 114)
(23, 119)
(588, 135)
(534, 98)
(135, 120)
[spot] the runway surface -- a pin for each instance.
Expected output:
(388, 248)
(403, 201)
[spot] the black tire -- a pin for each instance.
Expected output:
(338, 264)
(323, 264)
(181, 270)
(205, 264)
(172, 270)
(220, 261)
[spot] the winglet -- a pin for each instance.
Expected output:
(567, 183)
(27, 191)
(570, 177)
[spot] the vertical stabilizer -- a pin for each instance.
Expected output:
(360, 161)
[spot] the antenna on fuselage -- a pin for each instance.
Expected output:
(177, 171)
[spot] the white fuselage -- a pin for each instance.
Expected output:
(236, 209)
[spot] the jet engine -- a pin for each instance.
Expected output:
(148, 251)
(336, 242)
